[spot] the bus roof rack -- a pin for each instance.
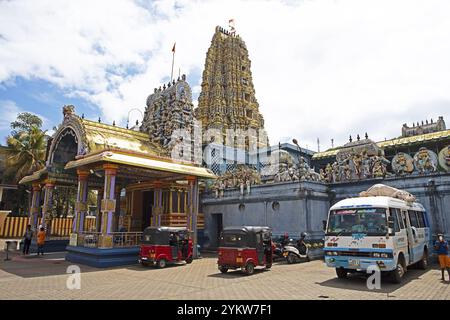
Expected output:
(387, 191)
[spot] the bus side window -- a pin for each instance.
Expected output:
(393, 213)
(413, 218)
(421, 219)
(400, 219)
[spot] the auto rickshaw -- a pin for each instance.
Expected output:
(165, 245)
(245, 248)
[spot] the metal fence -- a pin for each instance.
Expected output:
(126, 239)
(119, 239)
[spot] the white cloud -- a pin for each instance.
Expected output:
(10, 110)
(9, 113)
(322, 69)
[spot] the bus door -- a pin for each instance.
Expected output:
(401, 236)
(409, 235)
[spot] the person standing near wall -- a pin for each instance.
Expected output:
(28, 235)
(41, 241)
(441, 246)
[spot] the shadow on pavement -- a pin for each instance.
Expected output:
(231, 274)
(31, 266)
(357, 281)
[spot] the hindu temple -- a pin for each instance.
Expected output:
(242, 180)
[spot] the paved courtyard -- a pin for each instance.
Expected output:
(45, 278)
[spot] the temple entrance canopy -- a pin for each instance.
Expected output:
(115, 161)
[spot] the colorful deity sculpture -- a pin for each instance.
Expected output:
(402, 164)
(329, 173)
(444, 158)
(425, 161)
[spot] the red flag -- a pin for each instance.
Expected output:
(173, 49)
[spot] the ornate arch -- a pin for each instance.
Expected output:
(71, 125)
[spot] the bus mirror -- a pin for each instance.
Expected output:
(324, 225)
(391, 222)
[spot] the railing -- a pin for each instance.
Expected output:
(126, 239)
(88, 239)
(118, 239)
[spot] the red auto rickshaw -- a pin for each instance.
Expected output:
(245, 248)
(165, 245)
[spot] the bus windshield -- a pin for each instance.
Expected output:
(370, 221)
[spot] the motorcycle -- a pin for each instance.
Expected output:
(296, 252)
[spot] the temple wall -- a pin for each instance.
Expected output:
(302, 206)
(286, 207)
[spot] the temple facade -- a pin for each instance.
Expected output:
(137, 182)
(227, 100)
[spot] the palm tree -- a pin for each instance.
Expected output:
(25, 153)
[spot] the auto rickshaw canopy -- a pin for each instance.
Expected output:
(161, 235)
(245, 236)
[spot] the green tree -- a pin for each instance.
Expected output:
(25, 153)
(25, 149)
(25, 122)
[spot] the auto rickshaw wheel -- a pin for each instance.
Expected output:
(189, 260)
(162, 263)
(249, 268)
(268, 266)
(223, 269)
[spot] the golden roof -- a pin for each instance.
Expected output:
(35, 176)
(396, 142)
(142, 161)
(102, 136)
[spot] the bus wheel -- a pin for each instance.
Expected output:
(223, 269)
(423, 264)
(162, 263)
(398, 273)
(341, 273)
(249, 268)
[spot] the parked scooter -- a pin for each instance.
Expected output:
(296, 252)
(278, 247)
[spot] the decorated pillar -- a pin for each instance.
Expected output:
(157, 209)
(108, 206)
(48, 203)
(81, 204)
(179, 201)
(170, 206)
(192, 210)
(35, 201)
(98, 218)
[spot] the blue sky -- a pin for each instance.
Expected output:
(39, 97)
(321, 68)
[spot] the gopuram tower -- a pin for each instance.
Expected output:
(227, 100)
